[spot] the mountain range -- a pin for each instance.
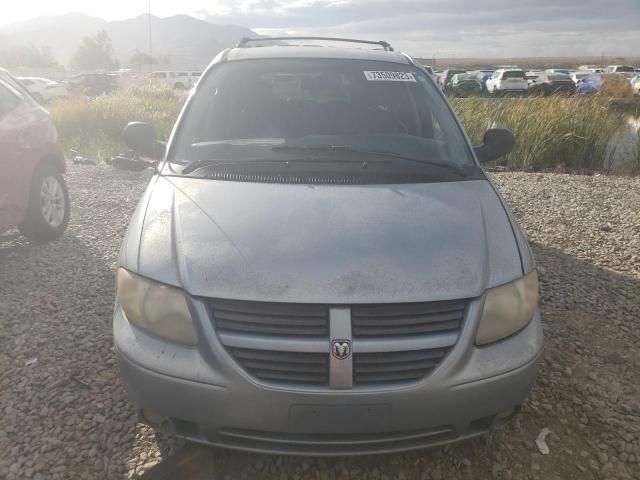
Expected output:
(180, 40)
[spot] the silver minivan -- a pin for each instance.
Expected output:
(320, 264)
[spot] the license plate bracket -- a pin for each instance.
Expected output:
(340, 418)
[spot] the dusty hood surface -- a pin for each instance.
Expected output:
(323, 243)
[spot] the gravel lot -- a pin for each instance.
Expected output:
(64, 413)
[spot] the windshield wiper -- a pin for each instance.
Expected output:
(197, 164)
(380, 153)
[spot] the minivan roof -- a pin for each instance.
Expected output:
(296, 51)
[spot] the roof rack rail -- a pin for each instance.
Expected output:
(387, 47)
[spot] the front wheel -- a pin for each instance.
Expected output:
(48, 211)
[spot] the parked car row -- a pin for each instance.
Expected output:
(512, 80)
(43, 89)
(98, 83)
(179, 80)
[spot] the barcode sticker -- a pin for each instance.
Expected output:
(389, 76)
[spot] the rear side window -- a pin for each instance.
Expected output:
(513, 74)
(9, 99)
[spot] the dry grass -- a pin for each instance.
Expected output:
(616, 86)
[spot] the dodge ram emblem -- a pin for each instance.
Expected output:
(341, 349)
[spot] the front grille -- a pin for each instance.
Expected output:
(262, 318)
(287, 367)
(395, 367)
(287, 343)
(406, 319)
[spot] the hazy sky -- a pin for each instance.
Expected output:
(422, 27)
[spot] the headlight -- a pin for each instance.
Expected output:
(156, 308)
(508, 308)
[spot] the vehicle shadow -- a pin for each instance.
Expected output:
(65, 413)
(590, 318)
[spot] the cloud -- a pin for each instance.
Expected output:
(461, 27)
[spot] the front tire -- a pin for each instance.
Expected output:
(47, 215)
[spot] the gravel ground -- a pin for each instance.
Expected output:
(64, 414)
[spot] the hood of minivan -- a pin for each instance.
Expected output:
(323, 243)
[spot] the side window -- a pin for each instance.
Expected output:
(8, 99)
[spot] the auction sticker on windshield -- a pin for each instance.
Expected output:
(389, 76)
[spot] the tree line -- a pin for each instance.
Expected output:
(93, 53)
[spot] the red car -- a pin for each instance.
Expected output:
(33, 194)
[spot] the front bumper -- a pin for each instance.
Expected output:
(203, 395)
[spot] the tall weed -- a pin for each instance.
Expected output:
(551, 132)
(93, 126)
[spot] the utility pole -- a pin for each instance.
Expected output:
(150, 45)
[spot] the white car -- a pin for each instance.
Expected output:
(590, 68)
(635, 85)
(624, 70)
(43, 89)
(180, 80)
(564, 71)
(505, 81)
(532, 75)
(578, 76)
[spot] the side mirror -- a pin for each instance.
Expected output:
(141, 138)
(496, 143)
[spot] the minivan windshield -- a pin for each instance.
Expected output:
(313, 110)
